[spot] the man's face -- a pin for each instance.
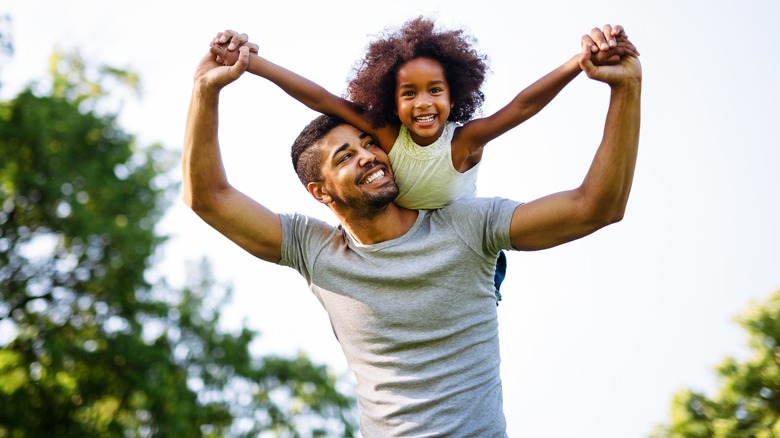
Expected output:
(355, 170)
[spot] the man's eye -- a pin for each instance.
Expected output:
(369, 144)
(344, 158)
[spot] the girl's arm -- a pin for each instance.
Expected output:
(303, 90)
(477, 133)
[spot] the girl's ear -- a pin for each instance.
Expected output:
(318, 192)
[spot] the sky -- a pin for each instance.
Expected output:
(597, 335)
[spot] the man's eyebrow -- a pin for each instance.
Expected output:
(346, 145)
(337, 151)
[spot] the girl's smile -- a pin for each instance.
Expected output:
(422, 99)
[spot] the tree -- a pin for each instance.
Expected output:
(748, 401)
(90, 345)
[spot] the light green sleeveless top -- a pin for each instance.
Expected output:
(425, 176)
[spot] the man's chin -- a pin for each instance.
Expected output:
(381, 200)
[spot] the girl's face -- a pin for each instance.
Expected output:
(422, 99)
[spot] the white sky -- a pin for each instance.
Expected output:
(596, 335)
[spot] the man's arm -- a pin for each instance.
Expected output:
(206, 188)
(301, 89)
(607, 46)
(603, 195)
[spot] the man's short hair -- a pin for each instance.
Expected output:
(305, 156)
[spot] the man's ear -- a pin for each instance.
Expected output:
(319, 193)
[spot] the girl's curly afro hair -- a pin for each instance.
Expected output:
(373, 83)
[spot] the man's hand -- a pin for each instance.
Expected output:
(211, 74)
(224, 46)
(608, 56)
(609, 45)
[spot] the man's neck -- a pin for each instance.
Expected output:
(387, 223)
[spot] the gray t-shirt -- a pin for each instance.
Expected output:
(415, 316)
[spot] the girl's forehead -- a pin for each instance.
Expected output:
(422, 63)
(420, 69)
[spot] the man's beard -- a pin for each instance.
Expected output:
(380, 200)
(370, 201)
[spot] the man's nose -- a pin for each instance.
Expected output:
(366, 157)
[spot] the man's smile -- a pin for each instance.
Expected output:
(373, 175)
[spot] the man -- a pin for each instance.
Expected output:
(409, 293)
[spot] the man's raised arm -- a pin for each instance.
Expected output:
(601, 199)
(206, 188)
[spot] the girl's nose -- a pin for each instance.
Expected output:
(422, 101)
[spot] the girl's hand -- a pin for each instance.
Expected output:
(224, 46)
(626, 72)
(609, 45)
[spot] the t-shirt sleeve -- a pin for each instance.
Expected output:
(483, 223)
(303, 238)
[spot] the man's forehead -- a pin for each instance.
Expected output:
(341, 134)
(338, 139)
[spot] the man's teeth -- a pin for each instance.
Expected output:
(374, 177)
(424, 119)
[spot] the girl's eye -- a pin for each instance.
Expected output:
(407, 94)
(436, 90)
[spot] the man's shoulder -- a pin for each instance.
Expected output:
(477, 203)
(303, 224)
(474, 209)
(304, 236)
(305, 218)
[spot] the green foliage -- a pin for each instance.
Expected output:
(748, 401)
(73, 80)
(92, 347)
